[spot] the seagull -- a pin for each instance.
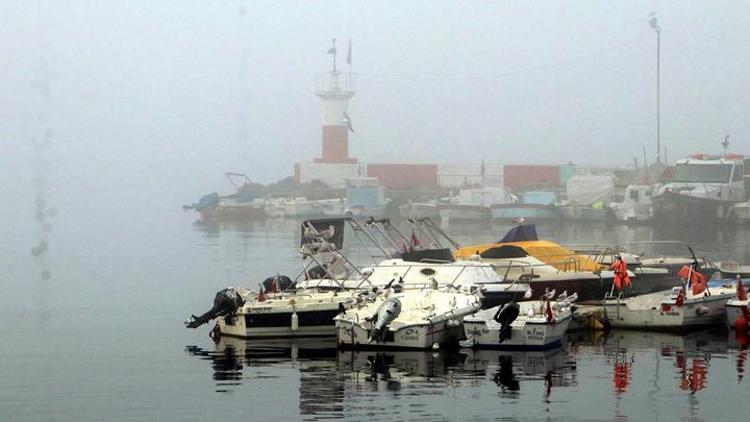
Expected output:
(348, 122)
(548, 295)
(307, 234)
(328, 233)
(562, 295)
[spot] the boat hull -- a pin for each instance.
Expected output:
(675, 208)
(580, 213)
(666, 315)
(734, 310)
(529, 212)
(592, 287)
(276, 321)
(233, 213)
(741, 212)
(536, 334)
(463, 213)
(350, 334)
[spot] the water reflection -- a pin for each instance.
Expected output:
(509, 370)
(392, 384)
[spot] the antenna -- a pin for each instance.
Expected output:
(725, 143)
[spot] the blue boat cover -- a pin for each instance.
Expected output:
(520, 233)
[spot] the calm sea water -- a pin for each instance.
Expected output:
(101, 338)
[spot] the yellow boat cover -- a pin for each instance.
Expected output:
(548, 252)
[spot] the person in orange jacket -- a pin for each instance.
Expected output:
(620, 268)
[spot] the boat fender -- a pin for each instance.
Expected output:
(505, 316)
(702, 310)
(454, 323)
(295, 322)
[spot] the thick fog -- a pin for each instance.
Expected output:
(123, 110)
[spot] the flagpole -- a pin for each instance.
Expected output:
(349, 62)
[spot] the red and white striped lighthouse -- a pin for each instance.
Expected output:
(335, 90)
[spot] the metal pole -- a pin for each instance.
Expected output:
(658, 95)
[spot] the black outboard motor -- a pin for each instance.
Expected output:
(226, 302)
(505, 316)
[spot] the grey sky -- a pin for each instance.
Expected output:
(163, 97)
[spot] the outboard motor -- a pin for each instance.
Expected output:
(387, 312)
(226, 302)
(505, 316)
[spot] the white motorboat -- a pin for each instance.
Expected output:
(300, 206)
(673, 309)
(413, 319)
(282, 307)
(465, 276)
(528, 325)
(636, 204)
(704, 190)
(306, 313)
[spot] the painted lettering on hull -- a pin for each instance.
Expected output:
(411, 334)
(535, 334)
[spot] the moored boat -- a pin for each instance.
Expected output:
(526, 325)
(697, 303)
(635, 208)
(550, 266)
(703, 190)
(738, 313)
(239, 206)
(413, 319)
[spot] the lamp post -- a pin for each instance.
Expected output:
(655, 26)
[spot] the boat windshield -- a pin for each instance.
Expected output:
(702, 173)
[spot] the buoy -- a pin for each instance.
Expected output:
(740, 324)
(295, 322)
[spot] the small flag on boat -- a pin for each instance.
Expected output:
(680, 298)
(741, 292)
(550, 316)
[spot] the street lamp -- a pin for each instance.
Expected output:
(654, 24)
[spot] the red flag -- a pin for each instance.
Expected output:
(741, 292)
(261, 296)
(550, 316)
(414, 239)
(680, 298)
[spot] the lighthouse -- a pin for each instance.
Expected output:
(334, 91)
